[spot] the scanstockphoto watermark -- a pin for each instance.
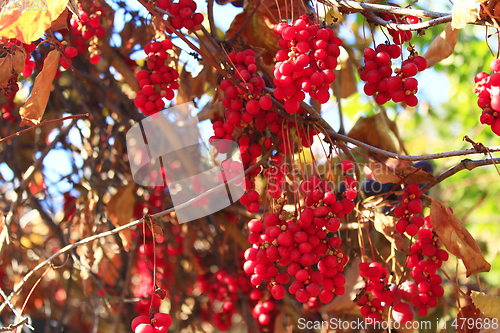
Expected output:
(339, 324)
(23, 5)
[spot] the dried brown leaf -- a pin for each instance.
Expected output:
(61, 22)
(259, 30)
(387, 226)
(373, 131)
(346, 79)
(159, 27)
(457, 239)
(463, 12)
(185, 93)
(442, 46)
(109, 261)
(121, 210)
(468, 313)
(32, 111)
(9, 63)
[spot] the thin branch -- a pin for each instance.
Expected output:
(354, 6)
(41, 124)
(408, 27)
(69, 247)
(462, 152)
(464, 164)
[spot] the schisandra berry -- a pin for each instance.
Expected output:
(305, 62)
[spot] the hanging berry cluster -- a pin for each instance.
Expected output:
(223, 288)
(159, 82)
(400, 36)
(305, 246)
(88, 31)
(380, 81)
(488, 93)
(159, 323)
(305, 62)
(410, 207)
(182, 14)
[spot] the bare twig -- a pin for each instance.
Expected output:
(69, 247)
(464, 164)
(354, 6)
(41, 124)
(415, 26)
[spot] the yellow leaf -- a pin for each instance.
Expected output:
(12, 62)
(32, 111)
(457, 239)
(28, 23)
(121, 210)
(442, 46)
(488, 304)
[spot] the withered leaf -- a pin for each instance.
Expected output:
(32, 111)
(407, 174)
(346, 79)
(259, 31)
(121, 210)
(9, 63)
(488, 304)
(109, 262)
(61, 22)
(457, 239)
(387, 226)
(185, 92)
(373, 131)
(471, 313)
(442, 46)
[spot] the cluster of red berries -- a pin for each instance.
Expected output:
(221, 287)
(157, 83)
(11, 87)
(425, 259)
(488, 93)
(158, 324)
(379, 78)
(182, 14)
(378, 294)
(88, 30)
(304, 246)
(265, 312)
(305, 62)
(400, 36)
(411, 205)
